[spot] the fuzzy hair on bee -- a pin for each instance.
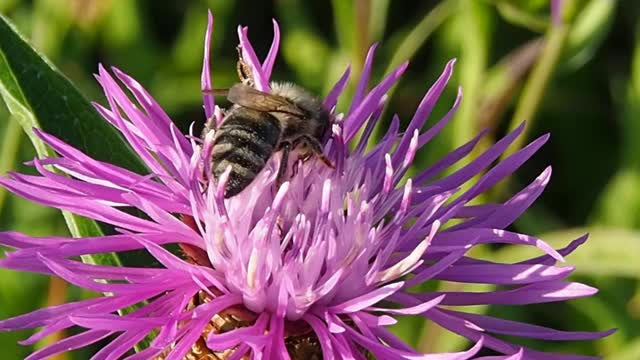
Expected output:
(317, 120)
(260, 124)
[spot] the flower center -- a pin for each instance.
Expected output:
(300, 341)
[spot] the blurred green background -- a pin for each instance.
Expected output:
(580, 81)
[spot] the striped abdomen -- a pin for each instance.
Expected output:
(245, 140)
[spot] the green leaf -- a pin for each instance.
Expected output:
(608, 252)
(590, 27)
(522, 17)
(31, 289)
(343, 13)
(378, 18)
(39, 96)
(307, 54)
(406, 42)
(8, 150)
(475, 43)
(536, 84)
(631, 351)
(418, 34)
(503, 82)
(619, 202)
(303, 49)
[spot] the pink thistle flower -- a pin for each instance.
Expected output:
(319, 266)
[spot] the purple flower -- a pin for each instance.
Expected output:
(320, 265)
(556, 11)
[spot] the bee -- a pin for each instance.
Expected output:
(260, 124)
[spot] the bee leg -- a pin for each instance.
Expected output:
(209, 125)
(244, 70)
(244, 73)
(284, 163)
(305, 157)
(296, 166)
(279, 225)
(315, 147)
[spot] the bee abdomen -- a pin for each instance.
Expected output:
(245, 141)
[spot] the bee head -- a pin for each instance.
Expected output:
(317, 115)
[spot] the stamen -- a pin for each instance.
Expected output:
(326, 193)
(388, 174)
(406, 197)
(413, 148)
(252, 269)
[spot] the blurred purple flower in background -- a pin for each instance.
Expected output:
(556, 11)
(317, 267)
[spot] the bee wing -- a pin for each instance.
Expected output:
(244, 95)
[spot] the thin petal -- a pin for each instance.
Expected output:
(205, 78)
(515, 328)
(270, 60)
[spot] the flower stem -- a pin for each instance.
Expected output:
(417, 36)
(9, 151)
(420, 33)
(56, 295)
(362, 36)
(474, 55)
(535, 86)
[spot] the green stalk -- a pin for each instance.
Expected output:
(9, 152)
(474, 56)
(536, 85)
(409, 46)
(420, 33)
(362, 36)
